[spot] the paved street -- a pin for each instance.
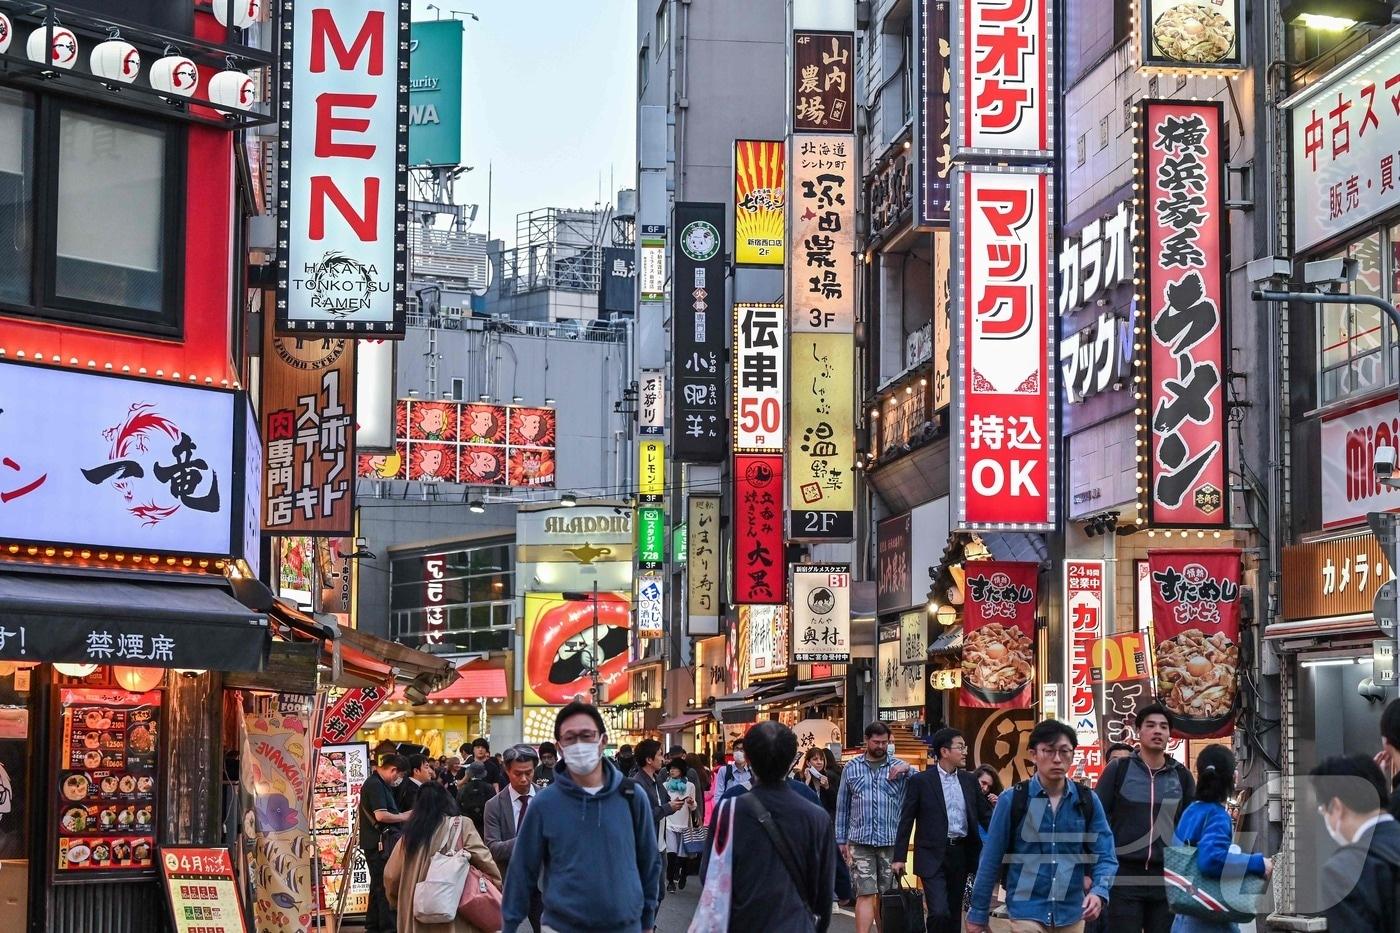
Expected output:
(678, 908)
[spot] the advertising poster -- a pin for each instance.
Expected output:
(276, 780)
(109, 790)
(435, 93)
(564, 637)
(1196, 630)
(1181, 154)
(821, 607)
(202, 890)
(823, 82)
(699, 319)
(702, 573)
(1084, 605)
(470, 443)
(901, 686)
(760, 372)
(760, 193)
(758, 529)
(341, 771)
(1191, 36)
(999, 638)
(1123, 671)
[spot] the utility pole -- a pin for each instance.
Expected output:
(594, 673)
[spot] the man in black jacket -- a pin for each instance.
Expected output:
(647, 776)
(950, 809)
(1143, 796)
(784, 872)
(1359, 880)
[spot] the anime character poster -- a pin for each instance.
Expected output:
(481, 466)
(432, 463)
(432, 421)
(528, 466)
(484, 424)
(383, 466)
(532, 427)
(562, 640)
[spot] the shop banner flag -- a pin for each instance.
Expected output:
(349, 713)
(999, 635)
(1196, 626)
(1123, 670)
(1084, 604)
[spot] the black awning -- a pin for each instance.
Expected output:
(86, 620)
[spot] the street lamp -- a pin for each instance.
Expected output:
(1337, 14)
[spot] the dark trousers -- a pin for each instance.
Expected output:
(943, 891)
(379, 918)
(676, 868)
(1138, 905)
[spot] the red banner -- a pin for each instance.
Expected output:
(1182, 157)
(759, 574)
(349, 713)
(998, 666)
(1196, 625)
(1084, 603)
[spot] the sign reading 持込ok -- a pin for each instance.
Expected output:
(758, 529)
(699, 316)
(760, 361)
(821, 613)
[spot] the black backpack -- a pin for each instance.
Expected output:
(472, 801)
(1020, 806)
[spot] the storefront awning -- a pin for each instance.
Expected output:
(949, 642)
(804, 696)
(683, 721)
(469, 687)
(86, 619)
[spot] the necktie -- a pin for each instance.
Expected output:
(520, 820)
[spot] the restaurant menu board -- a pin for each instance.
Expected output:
(335, 799)
(202, 891)
(107, 781)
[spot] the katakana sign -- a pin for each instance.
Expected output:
(698, 317)
(702, 565)
(821, 613)
(1004, 80)
(1095, 359)
(651, 471)
(823, 82)
(1098, 259)
(760, 371)
(651, 604)
(651, 537)
(760, 194)
(1084, 606)
(758, 529)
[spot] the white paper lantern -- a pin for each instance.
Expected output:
(62, 52)
(7, 32)
(233, 89)
(174, 74)
(115, 60)
(245, 12)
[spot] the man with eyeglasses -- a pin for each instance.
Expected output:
(950, 809)
(506, 811)
(1047, 834)
(587, 841)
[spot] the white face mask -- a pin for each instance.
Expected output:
(582, 758)
(740, 758)
(1336, 834)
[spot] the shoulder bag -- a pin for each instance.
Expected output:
(480, 903)
(712, 914)
(1231, 898)
(437, 896)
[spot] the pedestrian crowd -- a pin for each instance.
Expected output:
(565, 839)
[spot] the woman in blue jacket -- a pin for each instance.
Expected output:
(1206, 825)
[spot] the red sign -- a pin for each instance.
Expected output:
(1196, 625)
(202, 891)
(759, 576)
(1004, 86)
(1006, 378)
(349, 713)
(998, 666)
(1182, 154)
(1084, 599)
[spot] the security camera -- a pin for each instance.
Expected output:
(1371, 690)
(1330, 271)
(1384, 464)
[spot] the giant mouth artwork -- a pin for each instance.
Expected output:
(561, 644)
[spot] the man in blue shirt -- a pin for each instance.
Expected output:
(1061, 836)
(867, 820)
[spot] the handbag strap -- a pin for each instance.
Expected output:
(780, 844)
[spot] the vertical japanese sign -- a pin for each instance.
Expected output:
(760, 192)
(999, 639)
(821, 451)
(651, 403)
(758, 529)
(651, 266)
(1084, 604)
(343, 192)
(651, 471)
(651, 604)
(702, 580)
(900, 686)
(341, 771)
(894, 588)
(434, 598)
(763, 634)
(349, 713)
(942, 319)
(1005, 417)
(935, 133)
(1182, 159)
(308, 429)
(821, 613)
(699, 396)
(1004, 86)
(651, 537)
(760, 361)
(1196, 628)
(1123, 670)
(823, 86)
(912, 647)
(822, 268)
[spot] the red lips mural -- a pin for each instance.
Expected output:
(559, 647)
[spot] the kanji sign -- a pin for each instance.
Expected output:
(935, 117)
(1196, 626)
(1190, 37)
(821, 271)
(894, 581)
(651, 403)
(651, 471)
(1084, 604)
(700, 390)
(1183, 203)
(1003, 420)
(350, 712)
(1002, 57)
(651, 604)
(651, 268)
(821, 613)
(763, 635)
(900, 685)
(823, 82)
(341, 771)
(913, 649)
(343, 189)
(702, 570)
(760, 371)
(308, 430)
(821, 431)
(758, 528)
(999, 634)
(202, 891)
(760, 193)
(651, 537)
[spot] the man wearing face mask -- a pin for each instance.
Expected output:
(380, 823)
(587, 842)
(1358, 886)
(735, 773)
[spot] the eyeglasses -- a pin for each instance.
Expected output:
(519, 753)
(576, 738)
(959, 747)
(1062, 751)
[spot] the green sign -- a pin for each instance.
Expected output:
(435, 93)
(651, 538)
(678, 542)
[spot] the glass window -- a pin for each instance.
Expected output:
(111, 212)
(16, 196)
(1353, 341)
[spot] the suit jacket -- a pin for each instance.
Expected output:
(923, 801)
(499, 828)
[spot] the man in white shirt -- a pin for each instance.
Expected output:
(737, 773)
(506, 811)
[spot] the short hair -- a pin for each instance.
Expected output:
(876, 728)
(394, 760)
(679, 764)
(1048, 731)
(624, 749)
(771, 748)
(1118, 747)
(1355, 780)
(1153, 709)
(577, 708)
(547, 748)
(738, 743)
(1215, 774)
(481, 743)
(1390, 724)
(417, 761)
(646, 751)
(476, 771)
(518, 753)
(944, 738)
(674, 750)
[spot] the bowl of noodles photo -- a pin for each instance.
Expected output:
(998, 662)
(1194, 33)
(1197, 680)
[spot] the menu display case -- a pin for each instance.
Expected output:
(107, 795)
(341, 771)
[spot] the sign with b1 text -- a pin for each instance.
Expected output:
(821, 613)
(343, 191)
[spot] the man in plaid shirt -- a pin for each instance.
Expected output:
(867, 820)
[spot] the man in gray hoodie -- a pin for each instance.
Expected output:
(587, 842)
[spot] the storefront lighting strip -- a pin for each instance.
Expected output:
(1334, 662)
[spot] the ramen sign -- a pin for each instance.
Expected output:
(1196, 622)
(998, 667)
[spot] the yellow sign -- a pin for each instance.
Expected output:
(651, 471)
(821, 437)
(759, 196)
